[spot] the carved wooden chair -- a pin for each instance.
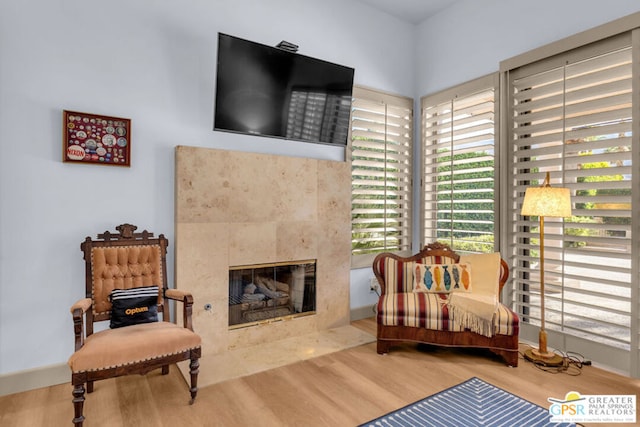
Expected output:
(127, 260)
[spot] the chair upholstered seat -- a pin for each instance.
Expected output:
(430, 311)
(418, 309)
(134, 344)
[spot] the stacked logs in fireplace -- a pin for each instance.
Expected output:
(267, 292)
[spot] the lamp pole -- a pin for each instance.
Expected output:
(542, 336)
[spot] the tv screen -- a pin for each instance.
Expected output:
(268, 91)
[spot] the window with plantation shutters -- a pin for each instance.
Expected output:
(459, 168)
(571, 115)
(381, 185)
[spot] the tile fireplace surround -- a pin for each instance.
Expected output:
(238, 208)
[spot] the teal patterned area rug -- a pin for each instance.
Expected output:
(471, 403)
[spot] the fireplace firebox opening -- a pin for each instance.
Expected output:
(271, 292)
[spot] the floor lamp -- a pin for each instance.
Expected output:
(545, 201)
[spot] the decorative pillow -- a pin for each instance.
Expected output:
(442, 278)
(486, 272)
(133, 306)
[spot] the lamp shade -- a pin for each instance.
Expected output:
(546, 201)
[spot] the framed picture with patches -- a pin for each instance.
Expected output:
(96, 139)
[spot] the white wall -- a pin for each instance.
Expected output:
(470, 38)
(153, 62)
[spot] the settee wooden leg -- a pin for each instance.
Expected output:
(383, 347)
(89, 386)
(165, 369)
(509, 356)
(78, 404)
(194, 370)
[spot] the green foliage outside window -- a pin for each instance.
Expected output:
(465, 213)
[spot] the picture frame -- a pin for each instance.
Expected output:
(96, 139)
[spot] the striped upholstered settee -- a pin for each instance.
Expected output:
(408, 311)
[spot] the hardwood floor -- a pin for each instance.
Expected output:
(341, 389)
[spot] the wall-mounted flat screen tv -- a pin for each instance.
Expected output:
(269, 91)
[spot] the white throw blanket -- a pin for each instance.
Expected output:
(473, 311)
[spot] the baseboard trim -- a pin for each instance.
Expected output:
(30, 379)
(360, 313)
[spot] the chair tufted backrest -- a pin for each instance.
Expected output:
(123, 260)
(123, 267)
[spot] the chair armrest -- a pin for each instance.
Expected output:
(77, 311)
(83, 305)
(178, 295)
(187, 304)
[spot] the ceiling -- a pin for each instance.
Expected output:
(412, 11)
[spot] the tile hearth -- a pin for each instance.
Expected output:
(262, 357)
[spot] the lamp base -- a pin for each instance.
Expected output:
(546, 359)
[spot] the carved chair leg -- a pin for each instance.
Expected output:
(194, 370)
(78, 404)
(165, 369)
